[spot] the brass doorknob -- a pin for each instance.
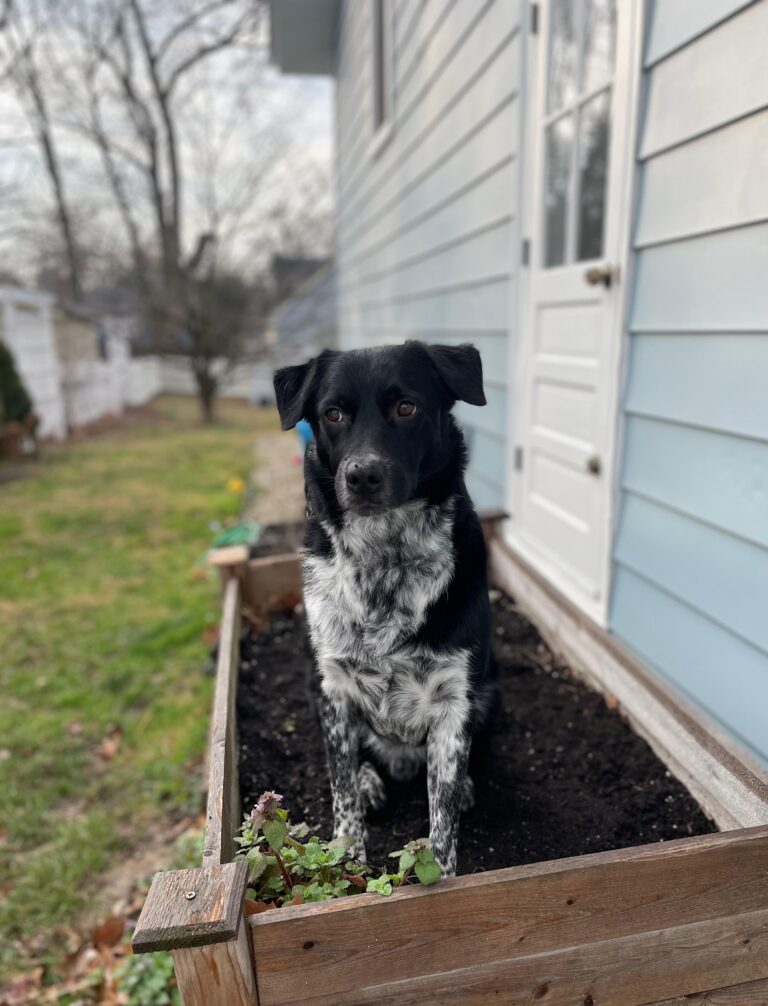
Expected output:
(594, 465)
(601, 275)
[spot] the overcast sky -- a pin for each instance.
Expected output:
(306, 122)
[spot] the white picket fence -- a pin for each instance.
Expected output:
(96, 388)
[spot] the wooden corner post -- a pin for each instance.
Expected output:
(198, 916)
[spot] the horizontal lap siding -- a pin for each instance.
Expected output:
(426, 224)
(691, 551)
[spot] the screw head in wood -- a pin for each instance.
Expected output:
(190, 895)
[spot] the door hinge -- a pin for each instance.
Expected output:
(518, 459)
(525, 252)
(534, 22)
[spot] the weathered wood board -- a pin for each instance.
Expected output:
(683, 922)
(625, 927)
(223, 811)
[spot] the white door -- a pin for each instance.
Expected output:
(579, 136)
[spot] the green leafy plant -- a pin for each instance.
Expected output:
(15, 403)
(148, 981)
(285, 867)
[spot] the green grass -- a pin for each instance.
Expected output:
(102, 613)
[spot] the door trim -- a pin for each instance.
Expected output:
(623, 177)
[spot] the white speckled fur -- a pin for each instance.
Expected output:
(405, 702)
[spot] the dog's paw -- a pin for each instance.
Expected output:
(372, 791)
(467, 795)
(354, 845)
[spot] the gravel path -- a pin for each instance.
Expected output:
(277, 478)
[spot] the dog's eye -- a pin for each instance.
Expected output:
(334, 415)
(406, 409)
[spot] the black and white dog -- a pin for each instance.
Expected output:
(395, 584)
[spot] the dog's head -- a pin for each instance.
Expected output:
(381, 417)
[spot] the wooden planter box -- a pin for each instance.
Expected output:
(683, 922)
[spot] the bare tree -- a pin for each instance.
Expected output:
(176, 138)
(21, 32)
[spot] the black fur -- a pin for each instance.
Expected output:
(395, 572)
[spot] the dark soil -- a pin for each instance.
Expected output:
(563, 774)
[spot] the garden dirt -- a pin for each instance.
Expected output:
(562, 773)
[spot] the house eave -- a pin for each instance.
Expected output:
(303, 35)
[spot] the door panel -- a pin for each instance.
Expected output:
(578, 140)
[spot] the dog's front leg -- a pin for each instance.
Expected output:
(447, 757)
(342, 728)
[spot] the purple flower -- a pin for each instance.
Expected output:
(266, 808)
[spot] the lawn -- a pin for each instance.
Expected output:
(104, 608)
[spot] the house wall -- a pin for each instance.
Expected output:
(426, 233)
(307, 319)
(691, 561)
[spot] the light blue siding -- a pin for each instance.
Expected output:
(712, 667)
(678, 185)
(719, 77)
(426, 224)
(722, 480)
(701, 380)
(690, 584)
(723, 578)
(682, 20)
(713, 283)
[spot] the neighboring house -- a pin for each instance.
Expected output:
(301, 326)
(305, 323)
(289, 272)
(579, 188)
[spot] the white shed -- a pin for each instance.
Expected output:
(26, 327)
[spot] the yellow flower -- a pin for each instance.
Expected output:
(236, 485)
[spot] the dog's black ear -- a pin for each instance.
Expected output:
(461, 371)
(295, 388)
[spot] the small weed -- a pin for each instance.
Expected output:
(285, 867)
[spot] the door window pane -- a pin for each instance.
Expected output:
(563, 54)
(559, 151)
(599, 44)
(594, 128)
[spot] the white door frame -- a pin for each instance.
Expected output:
(623, 176)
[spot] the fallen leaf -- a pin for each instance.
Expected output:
(210, 635)
(109, 748)
(109, 932)
(251, 907)
(356, 880)
(111, 744)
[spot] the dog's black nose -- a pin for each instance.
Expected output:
(364, 477)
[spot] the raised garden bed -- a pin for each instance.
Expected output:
(624, 927)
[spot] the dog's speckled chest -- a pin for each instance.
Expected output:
(370, 596)
(364, 605)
